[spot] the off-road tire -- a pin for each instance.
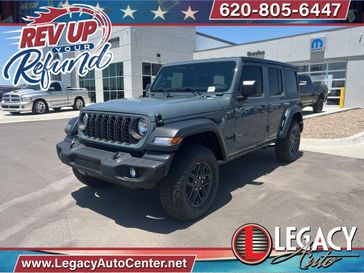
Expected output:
(318, 106)
(57, 109)
(78, 104)
(89, 180)
(176, 193)
(287, 148)
(40, 107)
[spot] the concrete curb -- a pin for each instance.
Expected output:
(328, 113)
(355, 139)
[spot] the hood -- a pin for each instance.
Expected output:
(168, 107)
(22, 92)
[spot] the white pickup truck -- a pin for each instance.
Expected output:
(32, 98)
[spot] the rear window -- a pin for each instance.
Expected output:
(275, 81)
(290, 81)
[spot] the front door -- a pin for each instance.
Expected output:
(251, 118)
(57, 97)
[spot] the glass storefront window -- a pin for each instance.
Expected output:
(150, 70)
(318, 67)
(303, 68)
(338, 84)
(338, 75)
(156, 68)
(88, 82)
(146, 68)
(337, 66)
(113, 81)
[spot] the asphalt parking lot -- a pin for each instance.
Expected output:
(42, 204)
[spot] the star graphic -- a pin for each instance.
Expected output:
(159, 13)
(128, 12)
(67, 6)
(98, 6)
(189, 13)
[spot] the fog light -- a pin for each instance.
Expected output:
(132, 172)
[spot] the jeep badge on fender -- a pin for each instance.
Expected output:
(195, 116)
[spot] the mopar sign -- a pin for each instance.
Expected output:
(318, 44)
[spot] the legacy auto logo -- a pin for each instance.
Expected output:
(49, 43)
(252, 244)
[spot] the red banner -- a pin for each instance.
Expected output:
(125, 263)
(280, 10)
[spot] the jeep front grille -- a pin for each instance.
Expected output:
(111, 128)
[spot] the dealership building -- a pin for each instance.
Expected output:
(333, 57)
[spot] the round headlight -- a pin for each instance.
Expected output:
(82, 123)
(142, 127)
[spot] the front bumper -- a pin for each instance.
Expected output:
(114, 167)
(16, 106)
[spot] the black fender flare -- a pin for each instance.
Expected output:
(287, 118)
(184, 129)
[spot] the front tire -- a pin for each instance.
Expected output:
(39, 107)
(89, 180)
(190, 188)
(287, 148)
(78, 104)
(318, 106)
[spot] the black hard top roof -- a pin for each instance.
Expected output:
(244, 59)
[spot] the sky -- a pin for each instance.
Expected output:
(236, 34)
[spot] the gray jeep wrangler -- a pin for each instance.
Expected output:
(195, 116)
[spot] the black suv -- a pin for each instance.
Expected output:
(195, 116)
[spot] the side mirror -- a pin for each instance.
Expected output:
(250, 88)
(147, 88)
(303, 83)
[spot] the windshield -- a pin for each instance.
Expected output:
(31, 86)
(201, 77)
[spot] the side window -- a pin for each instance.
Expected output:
(290, 81)
(253, 73)
(56, 86)
(275, 81)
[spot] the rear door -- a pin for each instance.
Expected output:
(277, 103)
(251, 118)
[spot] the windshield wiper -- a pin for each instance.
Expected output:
(195, 91)
(164, 91)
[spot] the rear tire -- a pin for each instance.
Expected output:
(78, 104)
(287, 149)
(89, 180)
(40, 107)
(318, 106)
(191, 185)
